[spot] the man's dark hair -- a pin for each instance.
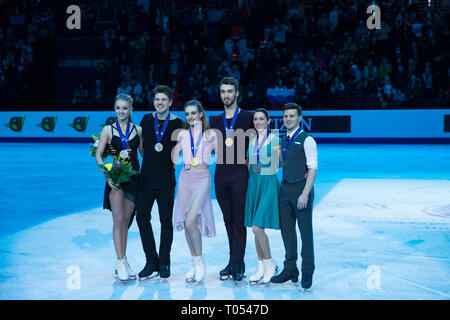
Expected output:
(231, 81)
(292, 105)
(163, 89)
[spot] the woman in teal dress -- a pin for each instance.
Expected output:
(262, 200)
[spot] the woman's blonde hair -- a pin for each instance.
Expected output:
(127, 98)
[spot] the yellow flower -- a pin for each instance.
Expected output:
(108, 166)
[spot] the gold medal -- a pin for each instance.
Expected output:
(228, 142)
(194, 162)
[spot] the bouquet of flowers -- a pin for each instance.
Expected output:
(119, 171)
(94, 146)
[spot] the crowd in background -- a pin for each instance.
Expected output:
(26, 54)
(323, 53)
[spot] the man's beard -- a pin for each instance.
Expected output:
(229, 103)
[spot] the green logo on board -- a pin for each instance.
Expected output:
(16, 124)
(79, 124)
(48, 124)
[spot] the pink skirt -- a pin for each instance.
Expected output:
(194, 188)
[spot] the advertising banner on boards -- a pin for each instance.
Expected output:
(325, 125)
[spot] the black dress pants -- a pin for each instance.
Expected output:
(231, 189)
(290, 215)
(165, 199)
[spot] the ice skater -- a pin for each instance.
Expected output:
(231, 176)
(125, 138)
(299, 156)
(157, 182)
(262, 200)
(193, 210)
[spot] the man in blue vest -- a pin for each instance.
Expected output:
(299, 163)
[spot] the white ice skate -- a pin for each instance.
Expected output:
(190, 273)
(131, 273)
(270, 269)
(199, 268)
(259, 274)
(121, 270)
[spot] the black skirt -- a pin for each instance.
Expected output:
(129, 188)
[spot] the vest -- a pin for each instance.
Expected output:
(294, 165)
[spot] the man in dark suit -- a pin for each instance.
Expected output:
(231, 176)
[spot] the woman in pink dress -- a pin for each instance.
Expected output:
(193, 206)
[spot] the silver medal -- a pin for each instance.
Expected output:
(123, 154)
(158, 147)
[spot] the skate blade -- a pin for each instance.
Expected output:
(149, 277)
(116, 275)
(196, 283)
(255, 282)
(190, 280)
(224, 278)
(306, 290)
(287, 284)
(259, 284)
(123, 281)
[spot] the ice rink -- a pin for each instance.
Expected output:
(381, 230)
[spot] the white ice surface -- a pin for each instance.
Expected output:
(397, 228)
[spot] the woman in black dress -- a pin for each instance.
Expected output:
(123, 138)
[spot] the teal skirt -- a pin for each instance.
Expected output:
(262, 201)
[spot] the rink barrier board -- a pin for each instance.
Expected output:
(318, 140)
(326, 126)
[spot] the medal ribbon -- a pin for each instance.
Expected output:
(194, 150)
(257, 148)
(225, 125)
(159, 135)
(290, 141)
(124, 139)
